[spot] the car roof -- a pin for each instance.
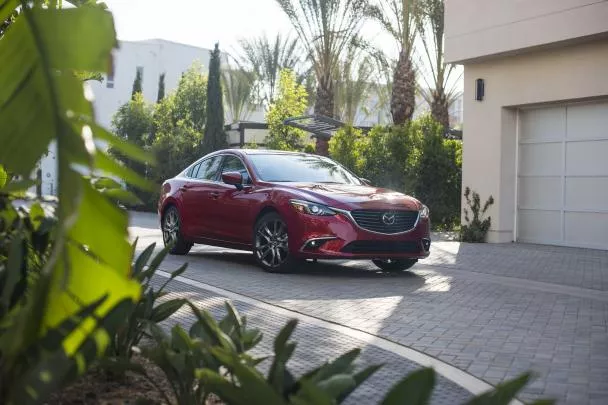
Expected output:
(264, 152)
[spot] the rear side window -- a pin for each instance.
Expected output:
(193, 170)
(209, 168)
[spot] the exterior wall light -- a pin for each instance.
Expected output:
(479, 89)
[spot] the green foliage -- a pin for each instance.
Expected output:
(182, 356)
(476, 229)
(133, 122)
(146, 310)
(291, 101)
(55, 320)
(439, 174)
(267, 57)
(190, 101)
(136, 84)
(413, 158)
(161, 88)
(238, 85)
(215, 137)
(345, 145)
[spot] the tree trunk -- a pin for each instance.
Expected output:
(439, 108)
(403, 99)
(324, 105)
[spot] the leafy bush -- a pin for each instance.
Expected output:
(476, 229)
(438, 174)
(344, 147)
(146, 310)
(183, 356)
(54, 320)
(291, 101)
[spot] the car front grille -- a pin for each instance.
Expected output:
(374, 220)
(377, 246)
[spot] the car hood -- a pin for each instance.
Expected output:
(352, 197)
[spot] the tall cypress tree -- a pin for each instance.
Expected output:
(215, 137)
(161, 88)
(136, 84)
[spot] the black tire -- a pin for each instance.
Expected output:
(271, 244)
(394, 265)
(172, 233)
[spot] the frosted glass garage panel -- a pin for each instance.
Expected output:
(543, 124)
(587, 158)
(540, 192)
(587, 229)
(539, 226)
(587, 193)
(543, 159)
(587, 121)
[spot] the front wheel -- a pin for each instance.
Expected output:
(271, 244)
(393, 265)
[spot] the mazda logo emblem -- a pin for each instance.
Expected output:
(388, 218)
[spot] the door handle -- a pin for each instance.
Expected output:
(215, 195)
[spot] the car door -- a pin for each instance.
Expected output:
(197, 196)
(233, 210)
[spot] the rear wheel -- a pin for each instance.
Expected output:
(172, 233)
(271, 244)
(394, 265)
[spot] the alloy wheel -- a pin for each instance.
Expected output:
(171, 227)
(271, 243)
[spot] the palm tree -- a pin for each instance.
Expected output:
(398, 17)
(439, 93)
(238, 84)
(353, 83)
(267, 57)
(325, 28)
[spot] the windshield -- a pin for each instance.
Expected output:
(300, 168)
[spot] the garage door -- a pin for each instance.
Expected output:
(562, 195)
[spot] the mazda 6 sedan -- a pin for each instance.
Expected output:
(288, 207)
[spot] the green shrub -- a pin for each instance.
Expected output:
(146, 310)
(476, 229)
(291, 101)
(182, 356)
(438, 173)
(344, 147)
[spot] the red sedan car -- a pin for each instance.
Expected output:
(287, 207)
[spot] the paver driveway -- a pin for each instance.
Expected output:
(491, 310)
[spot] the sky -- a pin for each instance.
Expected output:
(204, 22)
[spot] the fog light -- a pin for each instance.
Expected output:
(316, 243)
(426, 244)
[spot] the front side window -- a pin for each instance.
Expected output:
(300, 168)
(208, 169)
(234, 164)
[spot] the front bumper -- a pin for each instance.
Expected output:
(339, 237)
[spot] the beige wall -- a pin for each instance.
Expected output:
(481, 28)
(574, 73)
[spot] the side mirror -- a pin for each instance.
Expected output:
(234, 178)
(365, 181)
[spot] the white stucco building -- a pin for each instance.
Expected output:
(536, 131)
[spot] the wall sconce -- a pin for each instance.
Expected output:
(479, 89)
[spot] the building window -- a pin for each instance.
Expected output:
(110, 81)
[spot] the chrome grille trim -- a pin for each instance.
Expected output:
(350, 216)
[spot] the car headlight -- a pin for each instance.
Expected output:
(311, 208)
(424, 211)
